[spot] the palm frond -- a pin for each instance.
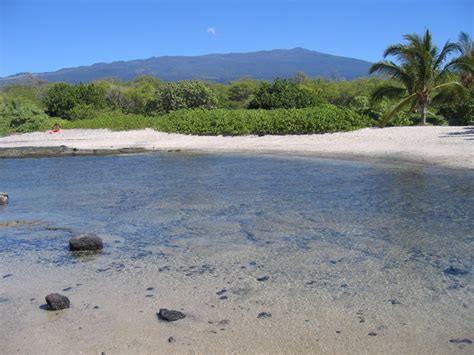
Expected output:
(466, 44)
(407, 101)
(448, 49)
(387, 91)
(450, 90)
(393, 70)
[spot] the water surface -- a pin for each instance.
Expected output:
(352, 247)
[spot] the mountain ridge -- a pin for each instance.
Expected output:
(218, 67)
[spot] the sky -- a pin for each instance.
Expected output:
(47, 35)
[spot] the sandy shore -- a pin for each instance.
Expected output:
(446, 146)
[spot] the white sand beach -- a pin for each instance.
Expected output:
(445, 146)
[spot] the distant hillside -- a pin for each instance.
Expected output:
(265, 65)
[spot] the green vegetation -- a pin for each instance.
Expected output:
(423, 83)
(425, 75)
(322, 119)
(282, 94)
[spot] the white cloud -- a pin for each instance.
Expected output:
(212, 31)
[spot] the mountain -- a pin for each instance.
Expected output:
(266, 65)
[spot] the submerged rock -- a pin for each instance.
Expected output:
(3, 198)
(57, 302)
(264, 315)
(169, 315)
(452, 270)
(461, 341)
(85, 242)
(221, 292)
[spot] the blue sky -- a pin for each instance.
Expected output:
(46, 35)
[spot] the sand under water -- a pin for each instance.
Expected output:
(359, 257)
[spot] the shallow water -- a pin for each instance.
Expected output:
(351, 247)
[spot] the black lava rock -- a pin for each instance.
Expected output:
(85, 242)
(455, 271)
(171, 340)
(169, 315)
(394, 301)
(461, 341)
(57, 302)
(263, 278)
(264, 315)
(221, 292)
(3, 198)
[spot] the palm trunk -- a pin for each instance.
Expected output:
(424, 111)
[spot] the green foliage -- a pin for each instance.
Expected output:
(459, 114)
(60, 99)
(28, 94)
(115, 120)
(91, 95)
(322, 119)
(183, 95)
(282, 94)
(241, 92)
(21, 117)
(423, 72)
(83, 112)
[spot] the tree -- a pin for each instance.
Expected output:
(91, 94)
(424, 72)
(185, 94)
(282, 94)
(242, 90)
(465, 63)
(60, 99)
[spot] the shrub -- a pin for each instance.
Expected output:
(114, 120)
(460, 114)
(21, 117)
(83, 112)
(90, 94)
(282, 94)
(183, 95)
(322, 119)
(60, 100)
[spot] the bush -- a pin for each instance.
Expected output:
(61, 99)
(21, 117)
(461, 114)
(83, 112)
(282, 94)
(90, 94)
(322, 119)
(114, 120)
(183, 95)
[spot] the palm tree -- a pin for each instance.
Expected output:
(424, 72)
(465, 63)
